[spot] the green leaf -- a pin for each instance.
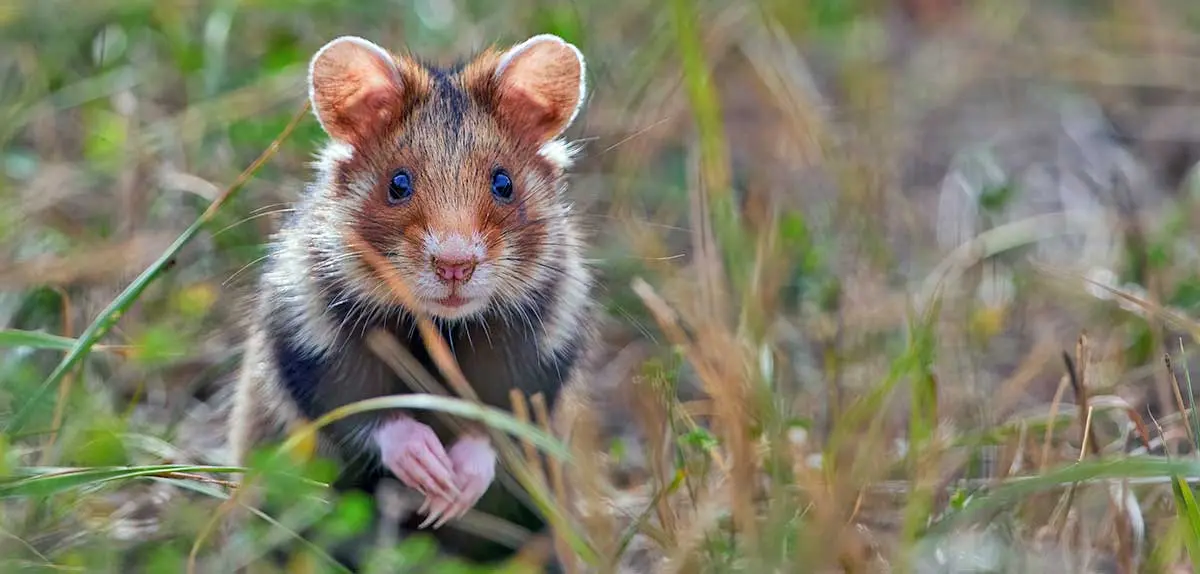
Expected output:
(166, 558)
(994, 199)
(1158, 256)
(194, 301)
(1189, 514)
(160, 345)
(1187, 294)
(106, 133)
(700, 438)
(214, 492)
(351, 516)
(35, 339)
(99, 448)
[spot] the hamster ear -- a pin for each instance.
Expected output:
(355, 88)
(540, 87)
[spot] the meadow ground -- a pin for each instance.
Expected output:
(889, 285)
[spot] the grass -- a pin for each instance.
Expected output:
(818, 358)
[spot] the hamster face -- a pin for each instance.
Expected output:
(461, 209)
(454, 175)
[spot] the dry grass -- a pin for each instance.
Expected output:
(888, 285)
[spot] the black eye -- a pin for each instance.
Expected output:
(502, 187)
(399, 188)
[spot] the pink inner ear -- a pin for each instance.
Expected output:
(539, 90)
(356, 88)
(377, 104)
(529, 113)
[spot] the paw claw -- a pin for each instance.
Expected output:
(436, 508)
(475, 468)
(452, 481)
(415, 455)
(445, 518)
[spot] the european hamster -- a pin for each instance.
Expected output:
(458, 177)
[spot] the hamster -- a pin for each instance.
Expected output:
(458, 176)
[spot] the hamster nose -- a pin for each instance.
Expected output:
(453, 270)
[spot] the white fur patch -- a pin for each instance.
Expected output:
(455, 244)
(573, 300)
(290, 278)
(333, 153)
(560, 153)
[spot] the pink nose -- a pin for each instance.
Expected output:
(454, 270)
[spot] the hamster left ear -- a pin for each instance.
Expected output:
(540, 87)
(355, 88)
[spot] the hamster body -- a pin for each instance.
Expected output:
(457, 177)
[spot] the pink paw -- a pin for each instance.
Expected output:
(412, 451)
(474, 468)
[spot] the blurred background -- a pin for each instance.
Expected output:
(930, 245)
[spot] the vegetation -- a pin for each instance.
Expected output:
(890, 285)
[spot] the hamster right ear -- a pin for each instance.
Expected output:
(541, 86)
(355, 88)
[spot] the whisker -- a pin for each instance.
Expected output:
(258, 260)
(272, 206)
(521, 283)
(641, 327)
(248, 219)
(635, 135)
(486, 333)
(636, 258)
(540, 264)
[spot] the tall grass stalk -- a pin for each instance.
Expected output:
(109, 316)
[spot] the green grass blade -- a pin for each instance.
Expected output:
(1189, 514)
(635, 526)
(922, 427)
(714, 153)
(108, 317)
(491, 416)
(35, 339)
(55, 482)
(210, 490)
(1011, 491)
(112, 313)
(1193, 417)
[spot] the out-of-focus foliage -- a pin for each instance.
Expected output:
(921, 257)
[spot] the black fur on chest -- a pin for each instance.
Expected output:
(496, 352)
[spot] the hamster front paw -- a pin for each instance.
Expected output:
(474, 462)
(412, 451)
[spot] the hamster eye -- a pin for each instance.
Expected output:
(502, 187)
(399, 188)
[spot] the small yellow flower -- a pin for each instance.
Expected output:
(303, 444)
(195, 300)
(987, 322)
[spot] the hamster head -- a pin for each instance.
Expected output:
(456, 175)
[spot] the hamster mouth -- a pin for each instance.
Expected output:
(454, 301)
